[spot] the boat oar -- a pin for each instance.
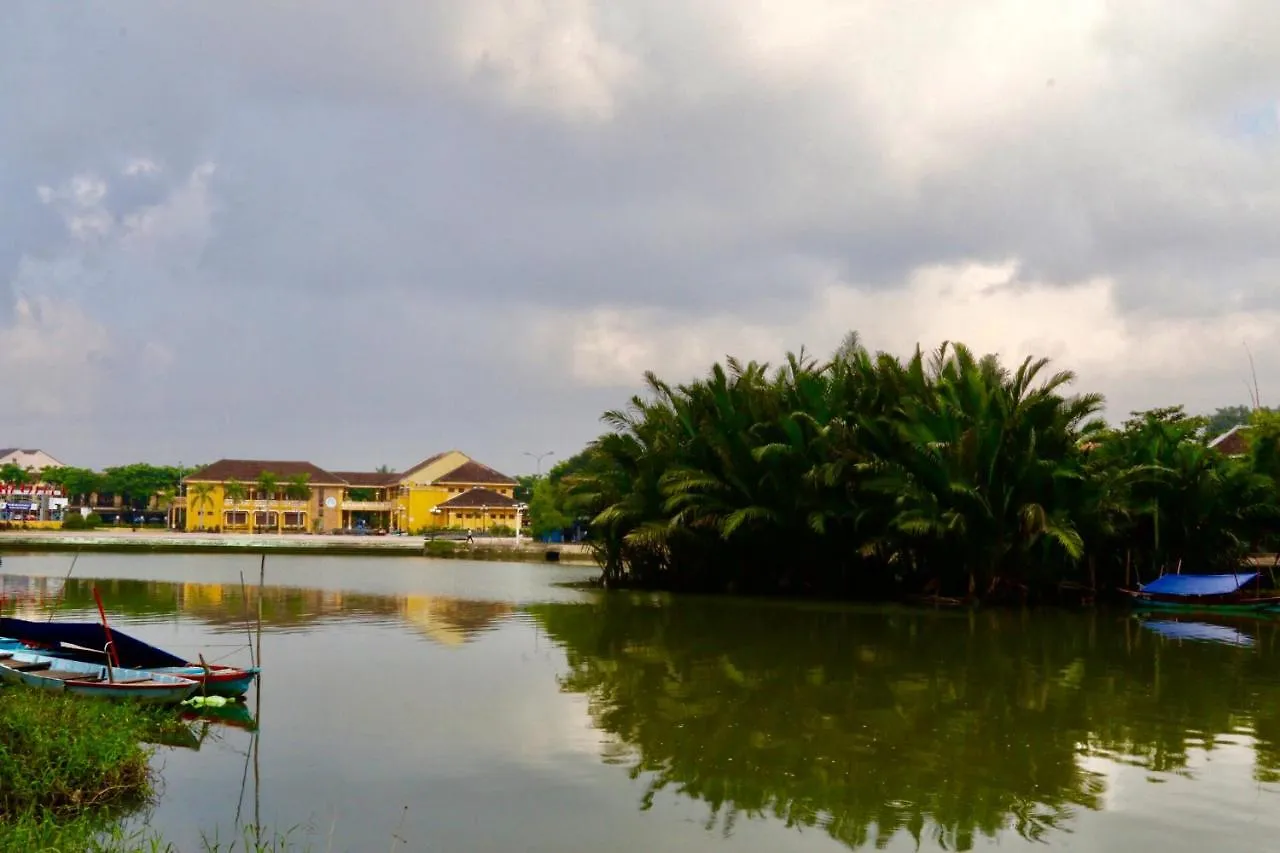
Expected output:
(111, 646)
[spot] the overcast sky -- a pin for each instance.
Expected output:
(362, 232)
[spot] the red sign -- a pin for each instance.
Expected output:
(52, 491)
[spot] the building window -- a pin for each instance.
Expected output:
(265, 519)
(295, 519)
(236, 518)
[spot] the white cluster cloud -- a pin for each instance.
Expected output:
(1079, 325)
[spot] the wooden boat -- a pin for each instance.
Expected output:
(85, 642)
(93, 680)
(1203, 592)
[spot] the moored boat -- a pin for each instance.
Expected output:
(93, 680)
(1220, 592)
(85, 641)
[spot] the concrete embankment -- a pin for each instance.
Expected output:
(388, 546)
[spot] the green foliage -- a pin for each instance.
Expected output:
(235, 491)
(298, 487)
(268, 485)
(70, 767)
(15, 475)
(1225, 418)
(76, 521)
(874, 477)
(546, 508)
(138, 483)
(440, 548)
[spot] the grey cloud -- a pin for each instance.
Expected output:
(389, 211)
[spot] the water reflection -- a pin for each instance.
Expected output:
(945, 727)
(227, 608)
(1194, 630)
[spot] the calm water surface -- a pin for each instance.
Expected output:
(454, 706)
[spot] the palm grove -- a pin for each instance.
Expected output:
(867, 476)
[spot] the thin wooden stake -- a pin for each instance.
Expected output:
(244, 594)
(262, 582)
(208, 673)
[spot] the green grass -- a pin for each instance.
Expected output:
(73, 770)
(71, 767)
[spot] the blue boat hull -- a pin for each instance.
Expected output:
(95, 681)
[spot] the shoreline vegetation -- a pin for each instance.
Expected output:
(71, 769)
(945, 476)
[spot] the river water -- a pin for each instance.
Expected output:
(441, 706)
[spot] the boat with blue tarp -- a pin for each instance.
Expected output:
(1225, 592)
(86, 642)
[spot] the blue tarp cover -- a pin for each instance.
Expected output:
(133, 652)
(1199, 584)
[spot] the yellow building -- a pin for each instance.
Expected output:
(245, 495)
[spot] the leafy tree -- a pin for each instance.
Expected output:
(15, 475)
(523, 490)
(137, 484)
(545, 512)
(1225, 418)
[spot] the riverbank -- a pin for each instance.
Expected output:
(160, 541)
(72, 768)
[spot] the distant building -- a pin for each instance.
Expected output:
(34, 500)
(1233, 442)
(446, 490)
(28, 460)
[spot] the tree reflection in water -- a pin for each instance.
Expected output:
(944, 725)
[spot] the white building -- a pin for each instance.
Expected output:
(28, 460)
(34, 501)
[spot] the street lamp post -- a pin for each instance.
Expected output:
(539, 456)
(520, 511)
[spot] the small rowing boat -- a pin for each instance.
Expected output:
(93, 680)
(85, 642)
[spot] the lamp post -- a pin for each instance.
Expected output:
(538, 456)
(520, 511)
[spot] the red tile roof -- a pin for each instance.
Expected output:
(474, 472)
(1233, 442)
(248, 471)
(478, 499)
(369, 479)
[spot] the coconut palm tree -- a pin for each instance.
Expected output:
(236, 492)
(200, 498)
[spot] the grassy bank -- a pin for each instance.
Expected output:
(70, 768)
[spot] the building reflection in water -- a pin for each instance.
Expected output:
(229, 607)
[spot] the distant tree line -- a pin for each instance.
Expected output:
(136, 485)
(949, 473)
